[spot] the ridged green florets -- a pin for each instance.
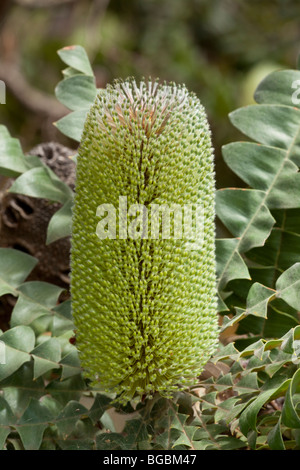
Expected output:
(144, 302)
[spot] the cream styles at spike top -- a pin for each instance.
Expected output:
(144, 307)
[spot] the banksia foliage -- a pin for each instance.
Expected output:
(144, 303)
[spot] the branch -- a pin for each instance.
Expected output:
(42, 3)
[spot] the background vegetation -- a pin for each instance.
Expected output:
(220, 49)
(248, 397)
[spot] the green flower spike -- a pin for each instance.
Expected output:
(143, 289)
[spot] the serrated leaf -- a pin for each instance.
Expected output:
(46, 357)
(77, 58)
(245, 214)
(76, 92)
(20, 387)
(135, 431)
(67, 418)
(70, 364)
(258, 299)
(60, 223)
(248, 418)
(288, 286)
(81, 437)
(268, 169)
(229, 410)
(256, 304)
(7, 419)
(62, 318)
(18, 342)
(230, 321)
(41, 182)
(19, 345)
(110, 441)
(32, 424)
(275, 440)
(167, 438)
(178, 421)
(12, 160)
(256, 348)
(278, 88)
(99, 407)
(186, 438)
(230, 264)
(14, 268)
(279, 320)
(36, 299)
(72, 125)
(279, 253)
(67, 390)
(230, 443)
(272, 125)
(222, 307)
(226, 352)
(290, 417)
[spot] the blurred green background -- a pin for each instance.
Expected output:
(219, 49)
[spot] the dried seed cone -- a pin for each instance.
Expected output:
(144, 308)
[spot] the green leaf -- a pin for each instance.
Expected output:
(272, 125)
(227, 322)
(279, 320)
(99, 407)
(68, 417)
(178, 422)
(278, 88)
(248, 418)
(36, 298)
(110, 441)
(268, 169)
(256, 305)
(12, 160)
(290, 417)
(32, 424)
(70, 365)
(258, 299)
(77, 92)
(72, 125)
(76, 57)
(7, 419)
(14, 268)
(275, 440)
(230, 264)
(62, 319)
(20, 387)
(19, 341)
(60, 223)
(279, 253)
(244, 213)
(41, 182)
(66, 390)
(230, 443)
(70, 72)
(288, 286)
(46, 356)
(135, 431)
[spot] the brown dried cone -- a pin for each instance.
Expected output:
(24, 221)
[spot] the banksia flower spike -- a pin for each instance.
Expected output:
(143, 251)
